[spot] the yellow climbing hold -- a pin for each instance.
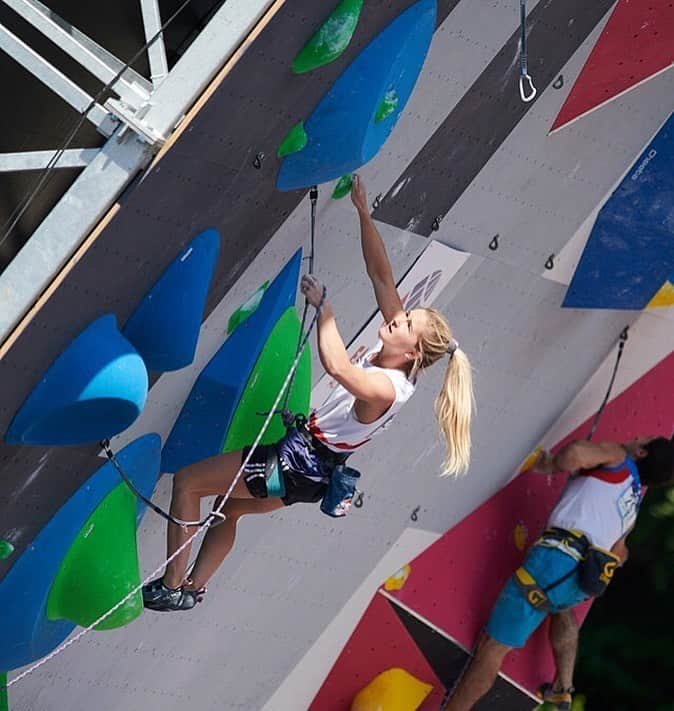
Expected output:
(392, 690)
(520, 536)
(398, 579)
(664, 297)
(530, 460)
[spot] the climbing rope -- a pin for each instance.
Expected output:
(287, 416)
(157, 509)
(48, 170)
(621, 347)
(525, 78)
(204, 527)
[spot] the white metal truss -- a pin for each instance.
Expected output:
(156, 52)
(145, 124)
(133, 88)
(38, 160)
(56, 80)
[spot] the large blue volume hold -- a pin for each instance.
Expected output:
(630, 252)
(94, 390)
(27, 634)
(202, 425)
(165, 326)
(347, 128)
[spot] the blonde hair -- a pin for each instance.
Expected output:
(454, 402)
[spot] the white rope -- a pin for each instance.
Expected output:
(63, 646)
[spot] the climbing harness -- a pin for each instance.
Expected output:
(49, 169)
(526, 82)
(134, 591)
(595, 567)
(157, 509)
(621, 345)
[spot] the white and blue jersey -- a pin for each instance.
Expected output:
(602, 503)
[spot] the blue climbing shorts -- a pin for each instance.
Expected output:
(281, 470)
(513, 619)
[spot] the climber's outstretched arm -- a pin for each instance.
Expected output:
(374, 252)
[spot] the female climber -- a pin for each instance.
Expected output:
(367, 396)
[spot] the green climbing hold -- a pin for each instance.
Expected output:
(387, 106)
(332, 38)
(246, 309)
(343, 187)
(100, 567)
(294, 141)
(6, 549)
(4, 699)
(266, 380)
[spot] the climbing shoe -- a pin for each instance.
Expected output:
(561, 699)
(158, 597)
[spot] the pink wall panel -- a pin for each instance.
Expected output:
(637, 42)
(454, 583)
(379, 642)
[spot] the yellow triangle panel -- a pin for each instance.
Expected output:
(664, 297)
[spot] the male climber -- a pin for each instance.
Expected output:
(572, 560)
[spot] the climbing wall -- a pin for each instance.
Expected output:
(463, 162)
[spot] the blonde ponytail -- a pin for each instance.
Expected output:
(454, 403)
(454, 409)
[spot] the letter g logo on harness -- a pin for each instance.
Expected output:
(607, 574)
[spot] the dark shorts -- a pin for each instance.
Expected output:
(279, 470)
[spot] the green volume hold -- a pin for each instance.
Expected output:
(246, 309)
(294, 141)
(387, 107)
(4, 700)
(6, 549)
(264, 383)
(343, 187)
(100, 567)
(332, 38)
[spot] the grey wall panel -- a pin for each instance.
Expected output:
(539, 188)
(487, 113)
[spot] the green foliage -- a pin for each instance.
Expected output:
(626, 659)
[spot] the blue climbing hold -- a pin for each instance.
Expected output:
(165, 327)
(202, 426)
(95, 389)
(349, 125)
(27, 633)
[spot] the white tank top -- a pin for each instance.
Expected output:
(602, 503)
(335, 422)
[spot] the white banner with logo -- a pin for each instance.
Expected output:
(422, 284)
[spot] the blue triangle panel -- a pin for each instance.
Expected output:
(630, 251)
(342, 131)
(202, 425)
(165, 327)
(95, 389)
(27, 634)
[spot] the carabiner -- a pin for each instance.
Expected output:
(527, 78)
